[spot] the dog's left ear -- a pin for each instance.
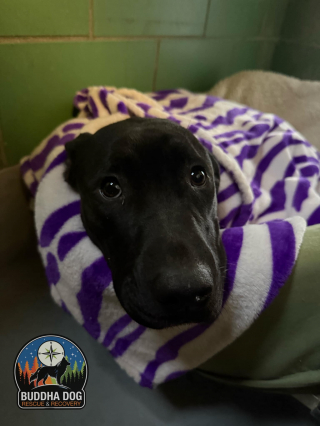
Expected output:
(75, 158)
(216, 169)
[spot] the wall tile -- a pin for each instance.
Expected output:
(38, 82)
(44, 17)
(245, 17)
(302, 21)
(149, 17)
(297, 60)
(273, 19)
(201, 63)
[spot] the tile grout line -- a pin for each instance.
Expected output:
(156, 65)
(58, 39)
(91, 21)
(299, 43)
(3, 158)
(206, 19)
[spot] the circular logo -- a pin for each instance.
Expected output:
(51, 372)
(50, 353)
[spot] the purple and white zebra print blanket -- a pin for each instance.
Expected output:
(269, 192)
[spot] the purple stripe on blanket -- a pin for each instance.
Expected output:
(172, 118)
(38, 161)
(66, 138)
(179, 103)
(247, 153)
(257, 116)
(283, 256)
(165, 92)
(93, 107)
(116, 328)
(229, 217)
(226, 144)
(72, 126)
(79, 99)
(52, 270)
(278, 198)
(229, 118)
(256, 190)
(160, 95)
(298, 141)
(122, 108)
(206, 144)
(25, 167)
(208, 103)
(61, 158)
(123, 343)
(314, 218)
(255, 131)
(68, 241)
(95, 278)
(170, 351)
(267, 159)
(305, 159)
(143, 106)
(193, 128)
(309, 171)
(228, 192)
(232, 239)
(103, 93)
(56, 220)
(291, 169)
(301, 193)
(243, 215)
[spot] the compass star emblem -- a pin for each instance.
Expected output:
(50, 353)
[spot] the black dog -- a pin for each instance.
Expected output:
(148, 195)
(55, 371)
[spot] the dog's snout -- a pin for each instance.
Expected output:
(183, 288)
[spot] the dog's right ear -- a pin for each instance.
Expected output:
(74, 159)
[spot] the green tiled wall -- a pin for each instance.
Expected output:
(246, 17)
(197, 64)
(149, 17)
(44, 17)
(49, 49)
(298, 52)
(38, 82)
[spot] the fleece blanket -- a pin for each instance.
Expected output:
(269, 192)
(297, 101)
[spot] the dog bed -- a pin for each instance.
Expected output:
(269, 192)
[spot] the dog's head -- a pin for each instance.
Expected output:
(64, 362)
(148, 201)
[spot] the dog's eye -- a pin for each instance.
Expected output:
(198, 176)
(111, 188)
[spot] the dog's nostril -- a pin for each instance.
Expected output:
(202, 296)
(178, 289)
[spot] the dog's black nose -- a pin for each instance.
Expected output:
(183, 288)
